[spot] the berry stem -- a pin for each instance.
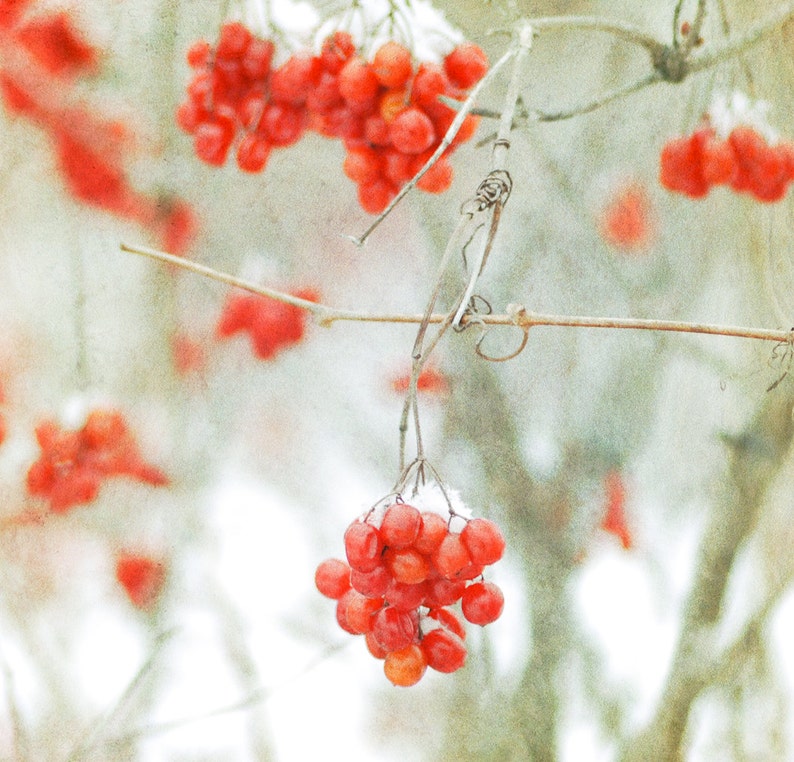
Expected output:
(501, 148)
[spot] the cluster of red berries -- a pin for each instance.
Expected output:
(387, 112)
(271, 325)
(43, 57)
(400, 580)
(745, 161)
(72, 464)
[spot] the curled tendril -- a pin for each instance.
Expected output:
(473, 316)
(494, 189)
(782, 356)
(515, 353)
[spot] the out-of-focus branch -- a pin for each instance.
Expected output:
(756, 456)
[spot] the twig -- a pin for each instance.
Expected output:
(521, 317)
(93, 738)
(499, 164)
(751, 37)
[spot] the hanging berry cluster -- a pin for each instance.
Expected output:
(72, 464)
(400, 581)
(386, 111)
(271, 325)
(745, 161)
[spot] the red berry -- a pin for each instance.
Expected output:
(433, 530)
(283, 124)
(336, 50)
(430, 82)
(233, 41)
(374, 583)
(374, 196)
(681, 165)
(451, 556)
(719, 162)
(103, 429)
(375, 648)
(448, 619)
(341, 611)
(406, 666)
(412, 131)
(362, 164)
(253, 152)
(405, 596)
(211, 141)
(257, 59)
(360, 612)
(444, 592)
(391, 103)
(294, 79)
(400, 526)
(141, 577)
(363, 546)
(466, 65)
(482, 603)
(398, 167)
(332, 578)
(438, 178)
(484, 541)
(392, 64)
(394, 629)
(407, 565)
(443, 650)
(198, 54)
(358, 84)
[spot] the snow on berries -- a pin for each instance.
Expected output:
(74, 463)
(405, 569)
(735, 147)
(385, 108)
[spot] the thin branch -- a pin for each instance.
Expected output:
(623, 31)
(520, 317)
(752, 36)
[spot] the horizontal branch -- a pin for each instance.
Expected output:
(518, 316)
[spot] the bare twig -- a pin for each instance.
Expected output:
(327, 315)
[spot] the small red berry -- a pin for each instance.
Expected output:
(400, 526)
(484, 541)
(406, 666)
(332, 578)
(392, 64)
(412, 131)
(466, 65)
(443, 650)
(363, 546)
(482, 603)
